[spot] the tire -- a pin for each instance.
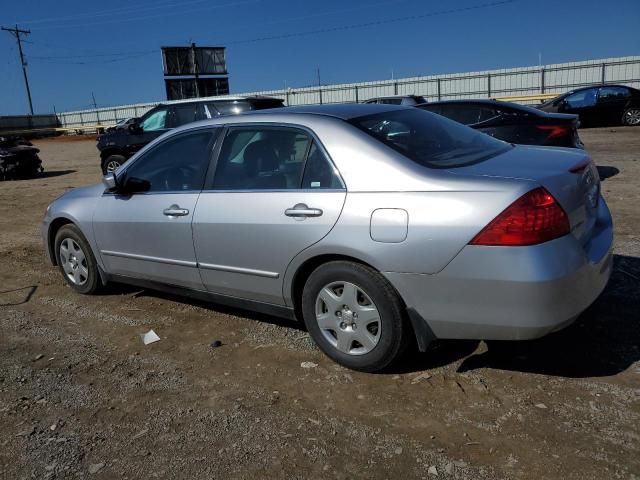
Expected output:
(371, 332)
(111, 163)
(78, 265)
(631, 117)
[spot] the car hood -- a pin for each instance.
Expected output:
(90, 191)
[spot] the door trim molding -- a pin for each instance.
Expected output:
(247, 271)
(147, 258)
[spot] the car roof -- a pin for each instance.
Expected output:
(489, 102)
(344, 111)
(235, 98)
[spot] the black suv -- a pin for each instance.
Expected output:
(119, 144)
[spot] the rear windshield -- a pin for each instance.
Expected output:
(429, 139)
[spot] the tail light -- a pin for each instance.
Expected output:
(534, 218)
(556, 131)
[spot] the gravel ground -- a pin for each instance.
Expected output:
(80, 396)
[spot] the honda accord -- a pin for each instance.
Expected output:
(376, 225)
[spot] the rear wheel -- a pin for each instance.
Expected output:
(631, 117)
(355, 316)
(111, 163)
(76, 261)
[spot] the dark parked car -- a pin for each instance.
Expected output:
(599, 106)
(408, 100)
(511, 122)
(118, 144)
(18, 159)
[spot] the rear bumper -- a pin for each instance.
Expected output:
(512, 293)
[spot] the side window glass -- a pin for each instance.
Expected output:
(184, 114)
(179, 164)
(461, 113)
(155, 121)
(611, 94)
(261, 159)
(584, 98)
(319, 172)
(487, 113)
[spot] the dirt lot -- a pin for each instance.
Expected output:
(81, 396)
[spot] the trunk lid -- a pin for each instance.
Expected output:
(568, 174)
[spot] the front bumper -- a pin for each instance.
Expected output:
(512, 293)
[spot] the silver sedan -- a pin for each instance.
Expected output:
(378, 226)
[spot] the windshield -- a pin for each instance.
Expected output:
(429, 139)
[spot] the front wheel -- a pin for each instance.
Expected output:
(355, 316)
(111, 163)
(631, 117)
(76, 260)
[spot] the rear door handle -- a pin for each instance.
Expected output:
(301, 210)
(175, 211)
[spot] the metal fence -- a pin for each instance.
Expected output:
(535, 80)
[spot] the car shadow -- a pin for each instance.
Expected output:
(45, 174)
(607, 172)
(604, 341)
(25, 292)
(123, 289)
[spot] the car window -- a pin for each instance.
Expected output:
(465, 114)
(391, 101)
(230, 108)
(613, 93)
(184, 114)
(155, 121)
(261, 158)
(487, 112)
(430, 140)
(264, 103)
(581, 99)
(319, 172)
(178, 164)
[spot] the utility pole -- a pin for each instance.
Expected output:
(16, 32)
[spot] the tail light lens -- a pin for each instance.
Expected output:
(556, 131)
(534, 218)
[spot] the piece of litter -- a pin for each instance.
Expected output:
(95, 468)
(422, 376)
(141, 433)
(308, 365)
(38, 357)
(541, 405)
(433, 470)
(149, 337)
(215, 344)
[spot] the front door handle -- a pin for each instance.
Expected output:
(175, 211)
(301, 210)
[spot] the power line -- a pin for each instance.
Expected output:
(110, 12)
(16, 32)
(145, 17)
(373, 23)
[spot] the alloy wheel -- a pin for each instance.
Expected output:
(112, 166)
(347, 318)
(74, 262)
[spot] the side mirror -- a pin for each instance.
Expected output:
(135, 128)
(109, 181)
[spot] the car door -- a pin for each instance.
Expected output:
(274, 193)
(583, 104)
(146, 233)
(612, 101)
(153, 124)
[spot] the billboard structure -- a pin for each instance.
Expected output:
(194, 67)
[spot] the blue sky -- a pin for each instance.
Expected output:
(113, 48)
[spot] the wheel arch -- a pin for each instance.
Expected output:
(54, 226)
